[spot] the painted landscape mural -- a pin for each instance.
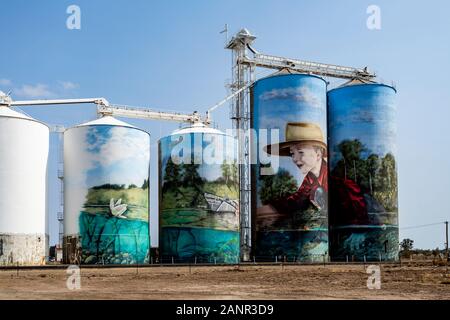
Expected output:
(113, 217)
(363, 184)
(199, 208)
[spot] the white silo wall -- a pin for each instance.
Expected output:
(24, 147)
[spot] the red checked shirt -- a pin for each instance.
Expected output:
(304, 196)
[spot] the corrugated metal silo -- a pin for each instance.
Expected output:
(290, 192)
(24, 147)
(363, 172)
(106, 193)
(198, 196)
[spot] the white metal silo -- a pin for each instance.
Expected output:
(24, 148)
(106, 193)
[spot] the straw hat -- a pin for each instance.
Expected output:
(299, 133)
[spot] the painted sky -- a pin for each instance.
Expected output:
(115, 155)
(170, 55)
(366, 113)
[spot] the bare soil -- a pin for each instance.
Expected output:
(230, 282)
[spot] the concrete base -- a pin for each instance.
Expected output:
(245, 254)
(23, 249)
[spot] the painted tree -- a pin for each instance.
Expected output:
(387, 183)
(373, 166)
(191, 179)
(234, 172)
(145, 184)
(277, 186)
(172, 177)
(226, 172)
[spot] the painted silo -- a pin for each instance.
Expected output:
(24, 147)
(363, 172)
(106, 193)
(198, 196)
(290, 188)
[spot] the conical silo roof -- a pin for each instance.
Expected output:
(109, 121)
(8, 112)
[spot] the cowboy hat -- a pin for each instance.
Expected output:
(299, 133)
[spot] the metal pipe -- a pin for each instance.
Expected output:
(101, 101)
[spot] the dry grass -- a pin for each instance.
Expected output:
(244, 282)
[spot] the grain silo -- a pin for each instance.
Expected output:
(290, 189)
(106, 193)
(198, 196)
(24, 147)
(363, 172)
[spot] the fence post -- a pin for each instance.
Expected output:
(137, 262)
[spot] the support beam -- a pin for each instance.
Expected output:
(98, 101)
(321, 69)
(137, 113)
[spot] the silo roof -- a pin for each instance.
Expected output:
(287, 72)
(109, 121)
(8, 112)
(197, 128)
(354, 82)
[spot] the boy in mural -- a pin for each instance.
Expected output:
(305, 145)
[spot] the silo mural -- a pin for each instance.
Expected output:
(198, 199)
(106, 184)
(290, 202)
(363, 173)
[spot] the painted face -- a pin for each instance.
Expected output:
(306, 157)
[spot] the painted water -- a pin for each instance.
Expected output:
(112, 240)
(298, 245)
(375, 243)
(204, 245)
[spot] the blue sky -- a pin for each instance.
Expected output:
(169, 55)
